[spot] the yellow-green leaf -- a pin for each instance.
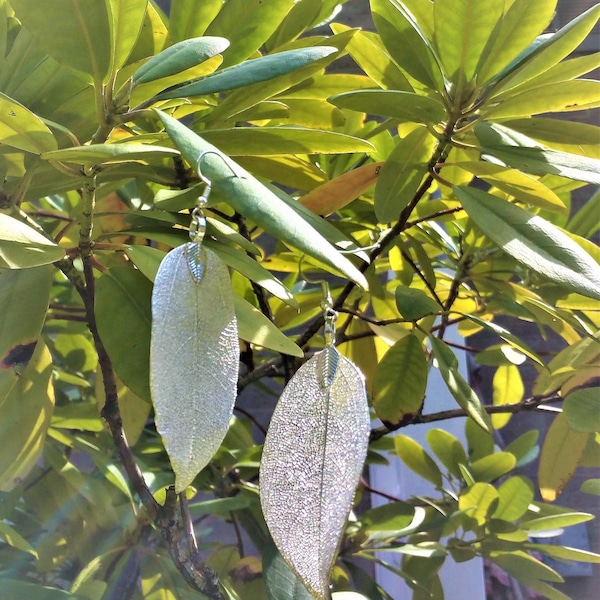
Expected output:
(560, 456)
(415, 458)
(507, 389)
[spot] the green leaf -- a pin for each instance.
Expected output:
(406, 42)
(13, 589)
(479, 501)
(24, 296)
(12, 537)
(524, 447)
(459, 388)
(533, 241)
(366, 49)
(557, 521)
(75, 33)
(249, 72)
(516, 494)
(194, 358)
(521, 152)
(392, 520)
(403, 173)
(266, 141)
(415, 458)
(582, 409)
(519, 27)
(565, 553)
(560, 456)
(524, 567)
(22, 246)
(400, 381)
(188, 19)
(20, 128)
(564, 96)
(126, 18)
(124, 321)
(414, 304)
(462, 32)
(255, 328)
(591, 486)
(280, 581)
(548, 53)
(493, 466)
(312, 460)
(448, 450)
(93, 154)
(248, 24)
(402, 105)
(25, 416)
(247, 196)
(179, 57)
(523, 187)
(507, 389)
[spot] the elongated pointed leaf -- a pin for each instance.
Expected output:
(75, 33)
(414, 304)
(459, 388)
(25, 417)
(249, 72)
(312, 459)
(188, 18)
(581, 409)
(414, 457)
(125, 19)
(281, 582)
(22, 246)
(462, 32)
(100, 153)
(561, 452)
(516, 494)
(406, 106)
(21, 129)
(507, 389)
(194, 359)
(533, 241)
(403, 173)
(400, 381)
(179, 57)
(249, 197)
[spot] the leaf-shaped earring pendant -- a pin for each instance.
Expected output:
(312, 461)
(194, 353)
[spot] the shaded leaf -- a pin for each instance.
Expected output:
(256, 202)
(75, 33)
(582, 409)
(123, 315)
(312, 460)
(400, 381)
(22, 246)
(194, 358)
(533, 241)
(188, 19)
(280, 581)
(493, 466)
(405, 106)
(448, 450)
(414, 304)
(561, 452)
(591, 486)
(394, 519)
(415, 458)
(403, 173)
(459, 388)
(179, 57)
(249, 72)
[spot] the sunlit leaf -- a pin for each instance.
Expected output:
(394, 519)
(13, 538)
(533, 241)
(507, 389)
(415, 457)
(492, 466)
(255, 201)
(516, 494)
(26, 413)
(188, 19)
(194, 359)
(448, 450)
(179, 57)
(312, 460)
(21, 246)
(125, 20)
(249, 72)
(100, 153)
(561, 452)
(479, 501)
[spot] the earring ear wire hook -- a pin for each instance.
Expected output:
(204, 198)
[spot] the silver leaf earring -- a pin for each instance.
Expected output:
(313, 457)
(194, 352)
